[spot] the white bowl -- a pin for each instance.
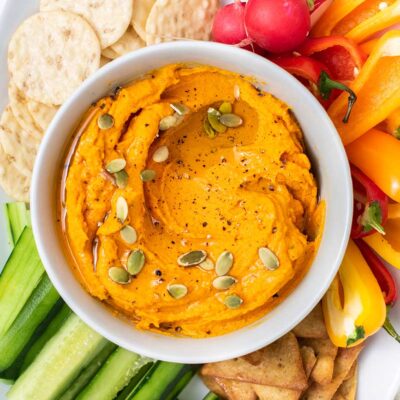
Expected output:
(329, 163)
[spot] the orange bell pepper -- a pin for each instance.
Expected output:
(377, 88)
(368, 46)
(377, 154)
(354, 307)
(394, 211)
(335, 13)
(368, 10)
(368, 19)
(393, 123)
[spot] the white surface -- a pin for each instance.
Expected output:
(329, 163)
(380, 362)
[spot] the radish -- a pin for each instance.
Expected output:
(277, 26)
(228, 26)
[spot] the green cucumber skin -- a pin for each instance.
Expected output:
(19, 218)
(157, 381)
(20, 276)
(61, 360)
(9, 235)
(88, 373)
(135, 381)
(42, 300)
(211, 396)
(53, 327)
(114, 375)
(181, 384)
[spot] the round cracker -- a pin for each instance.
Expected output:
(12, 181)
(104, 61)
(109, 53)
(19, 107)
(179, 19)
(130, 41)
(17, 143)
(51, 54)
(109, 18)
(41, 113)
(141, 11)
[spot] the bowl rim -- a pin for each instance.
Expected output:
(196, 348)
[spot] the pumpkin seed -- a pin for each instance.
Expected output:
(147, 175)
(177, 290)
(128, 234)
(119, 275)
(225, 108)
(105, 121)
(122, 209)
(224, 263)
(207, 265)
(224, 282)
(179, 108)
(208, 129)
(161, 154)
(233, 301)
(213, 116)
(191, 258)
(268, 258)
(116, 165)
(121, 179)
(236, 92)
(231, 120)
(168, 122)
(135, 263)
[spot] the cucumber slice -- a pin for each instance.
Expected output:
(157, 381)
(134, 382)
(87, 374)
(210, 396)
(67, 353)
(181, 384)
(42, 300)
(19, 278)
(114, 375)
(63, 313)
(19, 218)
(9, 236)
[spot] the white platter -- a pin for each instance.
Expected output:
(379, 372)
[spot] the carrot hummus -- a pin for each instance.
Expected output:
(189, 202)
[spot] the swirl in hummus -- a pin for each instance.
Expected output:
(248, 188)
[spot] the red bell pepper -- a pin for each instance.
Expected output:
(386, 283)
(342, 56)
(316, 76)
(382, 274)
(370, 206)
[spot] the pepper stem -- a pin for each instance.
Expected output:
(389, 328)
(372, 218)
(326, 85)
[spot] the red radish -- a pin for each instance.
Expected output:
(277, 25)
(228, 26)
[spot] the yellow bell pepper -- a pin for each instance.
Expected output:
(335, 13)
(388, 246)
(354, 306)
(377, 88)
(394, 211)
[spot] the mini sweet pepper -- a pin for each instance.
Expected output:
(354, 307)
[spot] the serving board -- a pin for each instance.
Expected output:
(379, 368)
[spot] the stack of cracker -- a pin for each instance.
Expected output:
(304, 364)
(55, 50)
